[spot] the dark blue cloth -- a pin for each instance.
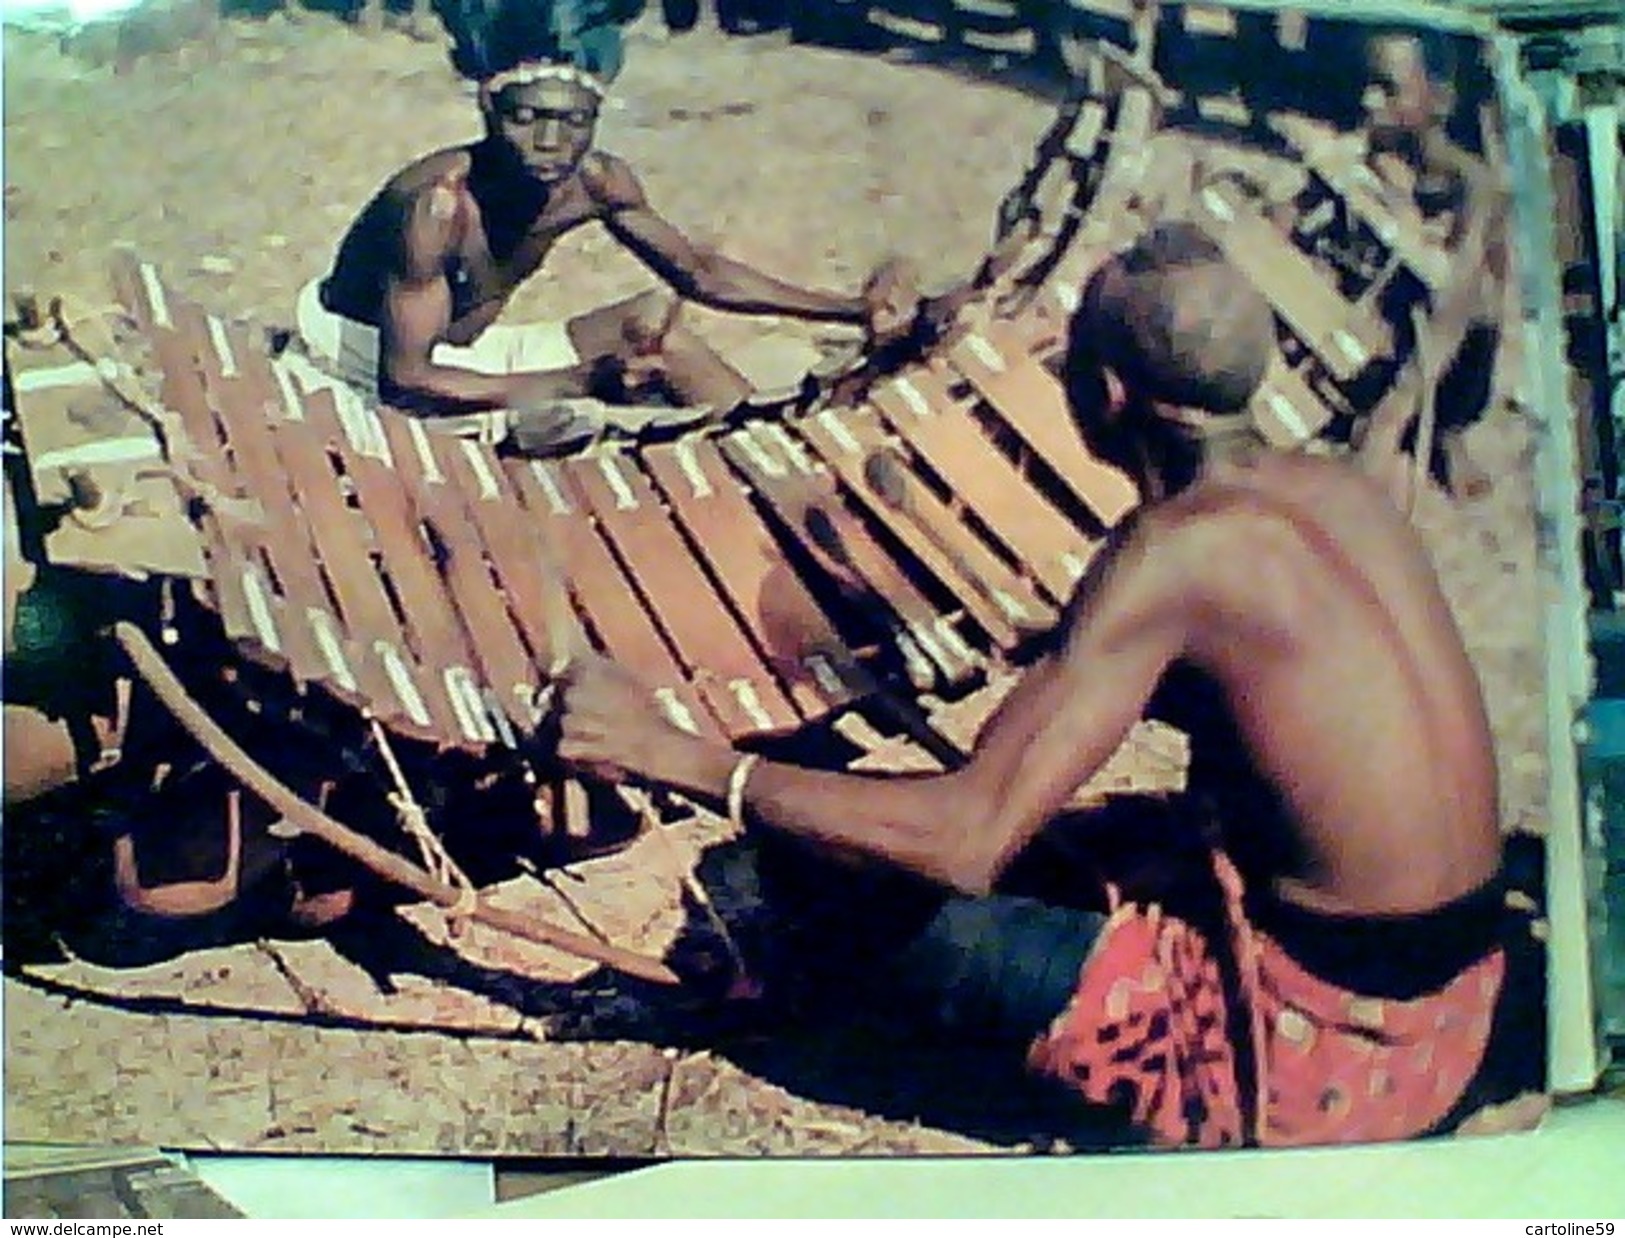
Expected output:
(997, 968)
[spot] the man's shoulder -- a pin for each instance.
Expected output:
(432, 199)
(611, 182)
(1208, 511)
(1270, 520)
(1209, 526)
(1254, 490)
(438, 173)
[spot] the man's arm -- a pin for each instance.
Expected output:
(1069, 714)
(698, 274)
(417, 313)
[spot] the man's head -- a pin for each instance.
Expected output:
(544, 115)
(1168, 339)
(1403, 98)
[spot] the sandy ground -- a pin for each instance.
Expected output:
(235, 165)
(259, 149)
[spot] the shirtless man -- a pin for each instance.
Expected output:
(1359, 847)
(433, 259)
(1452, 192)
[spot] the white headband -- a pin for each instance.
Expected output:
(529, 71)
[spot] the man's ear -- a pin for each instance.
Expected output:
(1116, 393)
(1443, 98)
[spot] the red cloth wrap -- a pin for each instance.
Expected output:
(1148, 1030)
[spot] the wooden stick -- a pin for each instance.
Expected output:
(149, 664)
(565, 635)
(1422, 449)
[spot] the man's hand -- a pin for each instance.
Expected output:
(891, 300)
(550, 412)
(643, 340)
(544, 388)
(610, 724)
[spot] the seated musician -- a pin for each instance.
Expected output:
(407, 311)
(1339, 736)
(1408, 103)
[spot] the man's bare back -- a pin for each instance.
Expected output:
(1283, 612)
(1299, 589)
(1344, 669)
(1292, 583)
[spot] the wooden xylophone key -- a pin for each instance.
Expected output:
(1285, 410)
(501, 661)
(1029, 399)
(366, 646)
(138, 287)
(809, 504)
(1342, 335)
(524, 567)
(626, 631)
(924, 413)
(143, 293)
(311, 636)
(438, 657)
(851, 442)
(707, 639)
(784, 619)
(251, 541)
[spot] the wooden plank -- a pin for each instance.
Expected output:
(500, 657)
(808, 502)
(193, 343)
(1392, 218)
(705, 635)
(76, 431)
(368, 628)
(149, 535)
(138, 286)
(284, 540)
(523, 565)
(225, 585)
(181, 389)
(1344, 338)
(993, 595)
(70, 421)
(919, 407)
(1030, 400)
(801, 645)
(1284, 409)
(433, 632)
(604, 596)
(232, 537)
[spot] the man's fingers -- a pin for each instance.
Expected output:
(646, 331)
(585, 762)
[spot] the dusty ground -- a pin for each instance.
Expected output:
(260, 148)
(234, 165)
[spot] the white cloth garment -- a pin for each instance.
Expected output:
(344, 350)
